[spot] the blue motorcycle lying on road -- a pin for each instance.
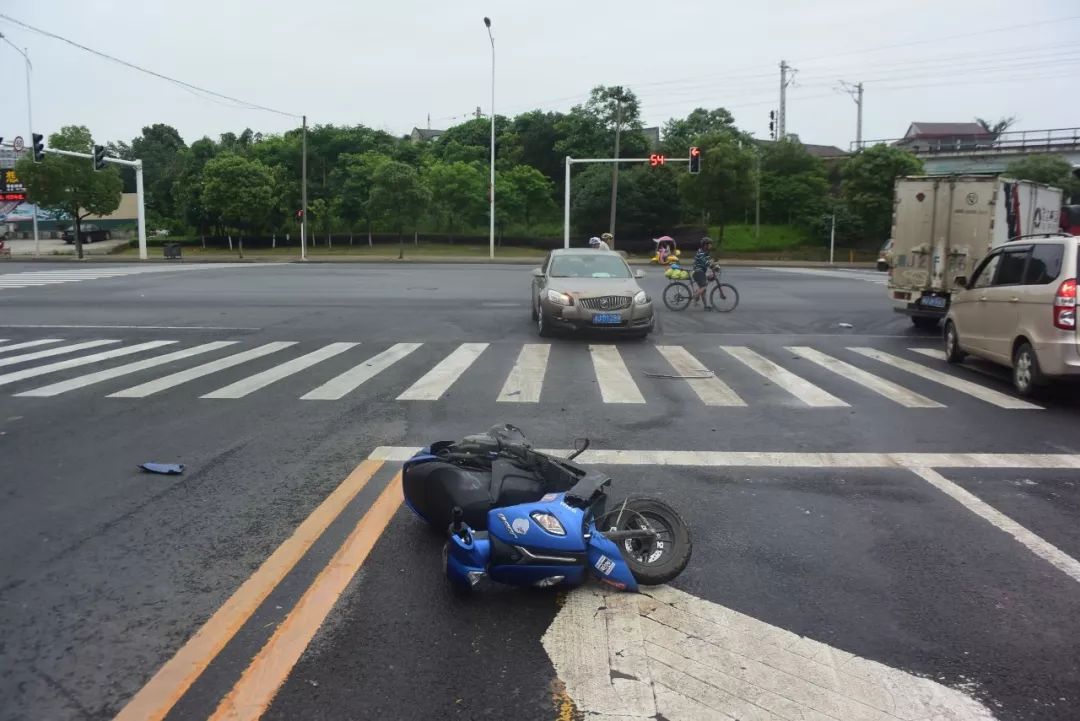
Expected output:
(526, 518)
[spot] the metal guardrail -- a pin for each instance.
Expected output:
(1009, 141)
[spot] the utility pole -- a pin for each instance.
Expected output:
(856, 93)
(30, 123)
(785, 81)
(491, 181)
(615, 166)
(303, 191)
(757, 193)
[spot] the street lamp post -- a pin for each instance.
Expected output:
(491, 181)
(30, 123)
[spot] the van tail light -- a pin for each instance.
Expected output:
(1065, 306)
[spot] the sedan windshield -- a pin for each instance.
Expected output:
(600, 265)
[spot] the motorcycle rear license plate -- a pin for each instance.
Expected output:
(933, 302)
(607, 319)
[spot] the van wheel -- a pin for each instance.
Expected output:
(1026, 374)
(953, 354)
(924, 323)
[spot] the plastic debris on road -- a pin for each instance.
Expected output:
(168, 469)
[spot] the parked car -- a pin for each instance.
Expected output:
(583, 288)
(1019, 309)
(89, 232)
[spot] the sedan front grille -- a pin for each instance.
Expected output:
(606, 302)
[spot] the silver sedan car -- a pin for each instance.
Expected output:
(577, 289)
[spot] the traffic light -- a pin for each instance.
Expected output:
(300, 215)
(695, 161)
(99, 157)
(38, 141)
(772, 124)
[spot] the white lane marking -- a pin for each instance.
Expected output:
(797, 386)
(765, 459)
(664, 653)
(338, 387)
(841, 273)
(136, 327)
(248, 385)
(12, 360)
(150, 387)
(1001, 400)
(110, 373)
(29, 344)
(930, 353)
(1041, 548)
(888, 389)
(439, 379)
(527, 376)
(712, 391)
(81, 361)
(616, 384)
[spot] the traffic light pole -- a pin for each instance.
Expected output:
(137, 164)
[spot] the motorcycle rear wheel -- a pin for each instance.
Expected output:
(651, 562)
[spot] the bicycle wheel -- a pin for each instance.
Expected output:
(724, 298)
(677, 296)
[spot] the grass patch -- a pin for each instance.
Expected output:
(423, 250)
(741, 238)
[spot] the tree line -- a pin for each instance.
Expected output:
(362, 180)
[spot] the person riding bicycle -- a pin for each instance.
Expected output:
(597, 244)
(702, 262)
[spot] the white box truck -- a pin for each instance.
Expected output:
(944, 225)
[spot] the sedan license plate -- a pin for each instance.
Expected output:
(607, 319)
(933, 301)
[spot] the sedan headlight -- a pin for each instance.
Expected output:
(642, 298)
(559, 298)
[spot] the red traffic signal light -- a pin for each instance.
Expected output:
(300, 215)
(695, 160)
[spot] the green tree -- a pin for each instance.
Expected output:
(458, 194)
(71, 185)
(537, 135)
(534, 190)
(162, 152)
(867, 187)
(398, 197)
(321, 218)
(187, 189)
(353, 180)
(1050, 169)
(679, 134)
(724, 188)
(238, 192)
(794, 184)
(999, 127)
(648, 200)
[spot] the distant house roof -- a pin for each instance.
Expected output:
(946, 130)
(818, 151)
(652, 135)
(425, 134)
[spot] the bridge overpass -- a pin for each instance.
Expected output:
(979, 156)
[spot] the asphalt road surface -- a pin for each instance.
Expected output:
(850, 495)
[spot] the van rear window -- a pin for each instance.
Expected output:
(1045, 264)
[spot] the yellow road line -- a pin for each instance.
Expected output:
(252, 694)
(172, 680)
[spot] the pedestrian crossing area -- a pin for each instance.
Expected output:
(869, 276)
(721, 377)
(35, 278)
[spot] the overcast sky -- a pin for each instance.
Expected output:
(389, 63)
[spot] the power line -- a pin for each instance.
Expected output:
(133, 66)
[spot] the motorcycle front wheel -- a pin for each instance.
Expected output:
(653, 561)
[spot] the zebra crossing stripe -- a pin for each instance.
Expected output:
(616, 383)
(526, 378)
(888, 389)
(1001, 400)
(28, 344)
(781, 377)
(711, 390)
(439, 379)
(930, 353)
(150, 387)
(36, 355)
(338, 387)
(81, 361)
(82, 381)
(243, 387)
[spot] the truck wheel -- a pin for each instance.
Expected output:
(953, 354)
(924, 323)
(1027, 377)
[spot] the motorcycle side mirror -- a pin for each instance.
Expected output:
(580, 444)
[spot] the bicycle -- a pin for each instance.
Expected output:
(723, 297)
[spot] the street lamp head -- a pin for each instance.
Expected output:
(487, 22)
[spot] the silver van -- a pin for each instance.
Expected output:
(1018, 309)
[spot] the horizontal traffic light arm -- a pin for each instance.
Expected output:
(90, 156)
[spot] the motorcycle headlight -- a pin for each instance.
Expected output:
(642, 298)
(559, 298)
(549, 523)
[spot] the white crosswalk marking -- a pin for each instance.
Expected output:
(989, 395)
(930, 353)
(243, 387)
(81, 361)
(29, 344)
(616, 384)
(338, 387)
(82, 381)
(155, 386)
(527, 376)
(711, 390)
(30, 279)
(802, 389)
(439, 379)
(886, 388)
(62, 350)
